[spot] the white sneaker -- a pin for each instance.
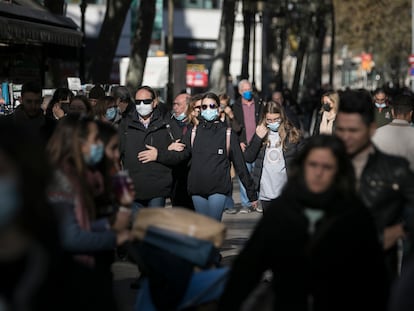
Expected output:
(230, 211)
(245, 210)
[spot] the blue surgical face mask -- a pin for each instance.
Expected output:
(209, 114)
(378, 105)
(111, 113)
(95, 155)
(247, 95)
(10, 200)
(179, 117)
(274, 126)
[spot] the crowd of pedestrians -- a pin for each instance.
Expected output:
(336, 189)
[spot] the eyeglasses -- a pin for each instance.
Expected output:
(143, 101)
(212, 106)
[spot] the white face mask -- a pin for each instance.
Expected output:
(143, 109)
(380, 105)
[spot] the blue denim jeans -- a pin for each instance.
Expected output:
(154, 202)
(229, 204)
(245, 202)
(213, 206)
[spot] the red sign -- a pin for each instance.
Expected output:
(366, 61)
(197, 78)
(411, 59)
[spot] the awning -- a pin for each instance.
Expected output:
(22, 25)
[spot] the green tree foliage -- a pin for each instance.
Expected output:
(382, 28)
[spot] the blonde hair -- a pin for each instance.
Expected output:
(287, 131)
(334, 97)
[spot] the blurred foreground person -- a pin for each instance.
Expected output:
(35, 272)
(318, 239)
(385, 183)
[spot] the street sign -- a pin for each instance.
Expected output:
(412, 71)
(366, 62)
(411, 59)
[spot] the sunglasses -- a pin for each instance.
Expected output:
(143, 101)
(212, 106)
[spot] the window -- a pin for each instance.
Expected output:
(195, 4)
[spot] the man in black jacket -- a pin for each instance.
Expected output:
(144, 141)
(178, 120)
(384, 182)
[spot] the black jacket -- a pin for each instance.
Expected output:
(387, 188)
(239, 116)
(152, 179)
(337, 261)
(179, 195)
(255, 152)
(210, 164)
(318, 124)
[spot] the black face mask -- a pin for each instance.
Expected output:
(65, 108)
(326, 107)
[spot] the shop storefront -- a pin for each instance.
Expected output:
(34, 42)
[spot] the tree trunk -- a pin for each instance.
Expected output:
(332, 50)
(269, 56)
(280, 52)
(303, 47)
(140, 43)
(116, 12)
(313, 73)
(299, 63)
(247, 26)
(220, 67)
(54, 64)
